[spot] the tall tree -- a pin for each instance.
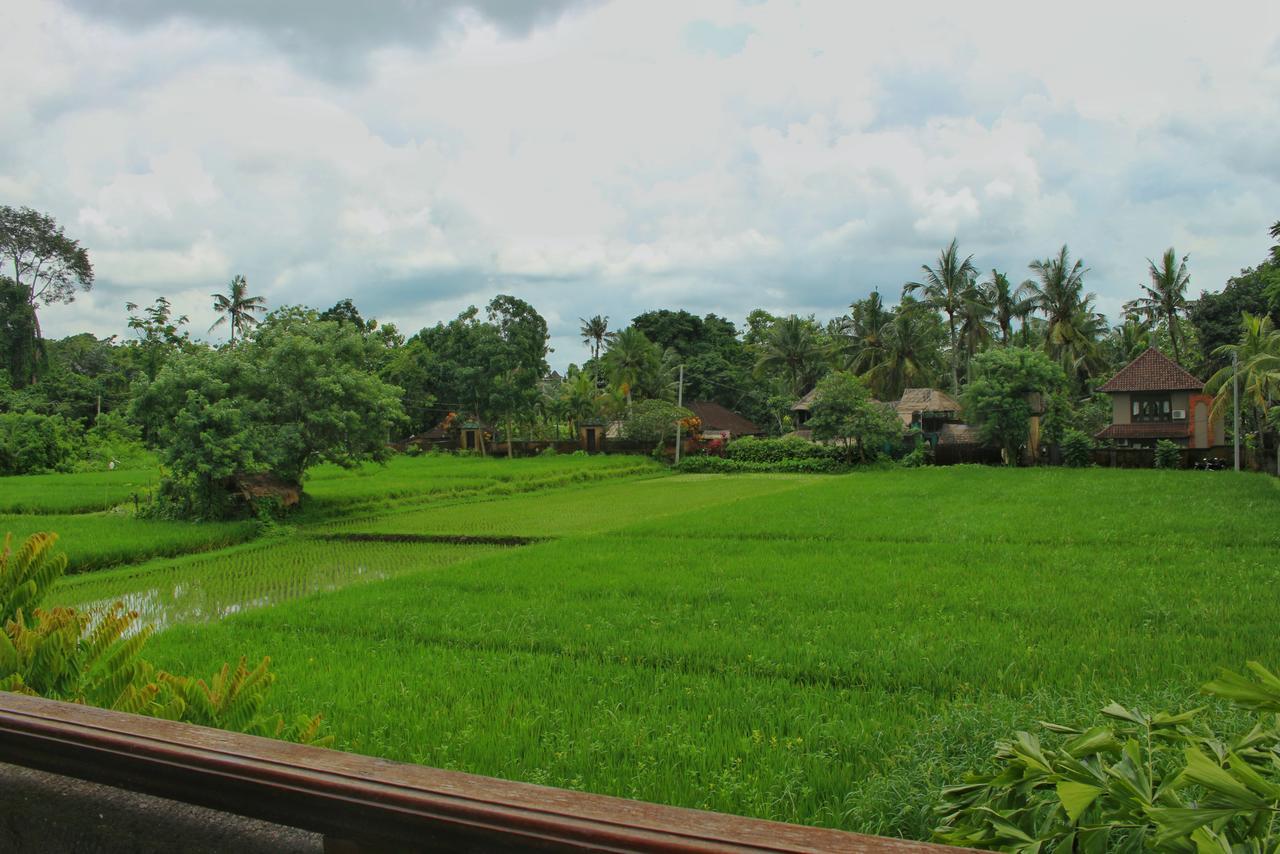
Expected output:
(1007, 304)
(1165, 299)
(237, 308)
(44, 265)
(909, 353)
(791, 348)
(523, 361)
(944, 289)
(1072, 323)
(976, 322)
(594, 333)
(860, 340)
(630, 357)
(1257, 356)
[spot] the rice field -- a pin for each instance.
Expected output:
(74, 493)
(827, 650)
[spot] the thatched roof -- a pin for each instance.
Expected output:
(805, 404)
(916, 400)
(959, 434)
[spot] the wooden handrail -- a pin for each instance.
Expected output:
(375, 804)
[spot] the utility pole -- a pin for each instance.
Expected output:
(679, 404)
(1235, 399)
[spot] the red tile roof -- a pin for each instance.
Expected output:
(1153, 371)
(1152, 430)
(716, 417)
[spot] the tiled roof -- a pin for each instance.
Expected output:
(1155, 430)
(1152, 371)
(716, 417)
(924, 400)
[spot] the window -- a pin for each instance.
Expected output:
(1151, 407)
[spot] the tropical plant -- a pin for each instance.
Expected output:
(1077, 448)
(998, 397)
(594, 333)
(861, 342)
(1137, 782)
(1257, 359)
(630, 358)
(1072, 323)
(791, 348)
(31, 443)
(845, 411)
(908, 354)
(1165, 299)
(237, 308)
(944, 289)
(1168, 455)
(977, 312)
(1128, 340)
(1007, 305)
(95, 657)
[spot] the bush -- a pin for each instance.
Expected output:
(723, 465)
(1168, 455)
(1077, 449)
(917, 457)
(1168, 782)
(34, 444)
(749, 449)
(113, 442)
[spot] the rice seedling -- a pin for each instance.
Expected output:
(82, 492)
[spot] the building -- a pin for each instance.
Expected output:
(928, 410)
(1154, 398)
(719, 422)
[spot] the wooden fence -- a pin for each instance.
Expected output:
(362, 804)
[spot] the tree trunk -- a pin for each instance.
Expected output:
(955, 364)
(510, 453)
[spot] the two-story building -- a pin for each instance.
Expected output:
(1154, 398)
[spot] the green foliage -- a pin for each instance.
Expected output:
(294, 395)
(1077, 449)
(997, 398)
(95, 657)
(1172, 782)
(702, 464)
(31, 443)
(917, 457)
(653, 420)
(750, 449)
(1168, 455)
(844, 410)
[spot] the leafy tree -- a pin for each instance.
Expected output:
(47, 267)
(159, 335)
(21, 349)
(996, 398)
(860, 341)
(909, 352)
(1216, 316)
(345, 311)
(594, 333)
(653, 421)
(1165, 299)
(523, 359)
(1007, 305)
(237, 308)
(294, 395)
(758, 324)
(1077, 449)
(1073, 324)
(1257, 354)
(33, 444)
(976, 324)
(945, 288)
(1127, 341)
(844, 410)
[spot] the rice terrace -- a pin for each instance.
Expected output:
(826, 650)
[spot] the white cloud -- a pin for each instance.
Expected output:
(635, 154)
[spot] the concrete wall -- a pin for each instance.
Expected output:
(41, 813)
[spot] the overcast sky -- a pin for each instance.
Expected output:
(612, 157)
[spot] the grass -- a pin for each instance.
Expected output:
(73, 493)
(827, 650)
(96, 540)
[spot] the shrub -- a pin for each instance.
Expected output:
(1077, 449)
(1136, 782)
(749, 449)
(34, 444)
(1168, 455)
(113, 441)
(723, 465)
(95, 658)
(917, 457)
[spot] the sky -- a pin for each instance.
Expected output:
(597, 157)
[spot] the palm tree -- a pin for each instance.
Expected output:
(630, 358)
(237, 308)
(1257, 355)
(791, 348)
(906, 358)
(594, 333)
(1007, 303)
(1166, 297)
(1129, 340)
(860, 334)
(976, 311)
(1072, 324)
(944, 289)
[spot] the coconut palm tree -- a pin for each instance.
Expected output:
(1257, 355)
(594, 333)
(944, 288)
(237, 308)
(859, 340)
(907, 357)
(976, 313)
(1128, 340)
(1008, 304)
(1166, 297)
(791, 348)
(630, 358)
(1072, 323)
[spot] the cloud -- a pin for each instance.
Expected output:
(619, 156)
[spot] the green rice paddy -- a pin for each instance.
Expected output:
(820, 649)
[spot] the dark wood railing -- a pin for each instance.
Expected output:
(365, 804)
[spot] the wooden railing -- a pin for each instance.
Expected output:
(365, 804)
